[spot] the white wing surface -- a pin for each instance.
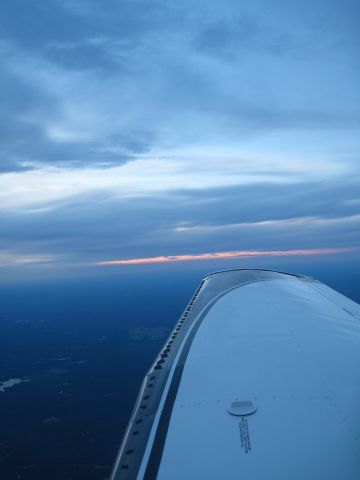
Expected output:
(260, 378)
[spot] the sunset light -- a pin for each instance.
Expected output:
(224, 255)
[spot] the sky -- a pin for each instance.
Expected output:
(152, 131)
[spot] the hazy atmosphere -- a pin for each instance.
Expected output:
(144, 144)
(135, 129)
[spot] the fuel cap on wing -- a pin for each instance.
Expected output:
(242, 407)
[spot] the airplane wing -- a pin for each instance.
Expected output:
(260, 378)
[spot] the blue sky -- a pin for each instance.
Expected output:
(139, 129)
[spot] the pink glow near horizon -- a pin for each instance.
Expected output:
(224, 255)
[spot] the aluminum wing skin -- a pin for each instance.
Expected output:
(260, 378)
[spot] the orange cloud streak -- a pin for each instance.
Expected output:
(221, 255)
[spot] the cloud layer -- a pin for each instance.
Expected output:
(148, 128)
